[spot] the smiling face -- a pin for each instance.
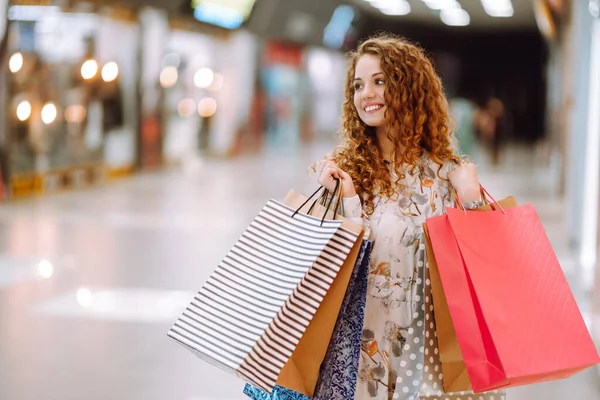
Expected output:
(369, 89)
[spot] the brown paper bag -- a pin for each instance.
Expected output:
(454, 371)
(302, 370)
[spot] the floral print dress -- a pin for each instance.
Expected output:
(399, 354)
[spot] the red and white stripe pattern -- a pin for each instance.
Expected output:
(251, 313)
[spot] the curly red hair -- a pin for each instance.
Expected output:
(417, 115)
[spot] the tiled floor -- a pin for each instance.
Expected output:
(91, 281)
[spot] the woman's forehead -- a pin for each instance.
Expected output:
(367, 65)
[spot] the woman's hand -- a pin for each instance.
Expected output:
(466, 182)
(328, 172)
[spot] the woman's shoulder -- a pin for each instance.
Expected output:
(441, 169)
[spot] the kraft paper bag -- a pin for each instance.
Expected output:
(301, 373)
(454, 370)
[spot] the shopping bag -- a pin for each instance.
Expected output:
(301, 372)
(339, 370)
(515, 317)
(278, 393)
(255, 307)
(456, 377)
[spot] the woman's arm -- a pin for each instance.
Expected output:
(465, 181)
(354, 212)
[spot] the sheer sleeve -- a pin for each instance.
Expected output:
(354, 212)
(446, 188)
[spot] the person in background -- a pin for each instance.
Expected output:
(490, 121)
(463, 114)
(398, 167)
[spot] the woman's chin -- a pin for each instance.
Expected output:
(373, 123)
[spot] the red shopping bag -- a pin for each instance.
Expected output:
(515, 317)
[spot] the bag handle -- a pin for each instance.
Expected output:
(484, 195)
(337, 192)
(459, 204)
(339, 205)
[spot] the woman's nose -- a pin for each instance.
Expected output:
(368, 93)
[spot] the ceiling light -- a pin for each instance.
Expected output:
(382, 3)
(398, 8)
(498, 8)
(455, 17)
(442, 4)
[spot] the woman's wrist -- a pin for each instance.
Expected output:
(349, 193)
(469, 194)
(352, 207)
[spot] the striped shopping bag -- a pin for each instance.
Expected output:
(253, 310)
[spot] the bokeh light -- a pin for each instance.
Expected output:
(75, 114)
(207, 107)
(110, 71)
(45, 269)
(168, 76)
(186, 108)
(89, 69)
(24, 111)
(49, 113)
(204, 78)
(15, 63)
(84, 297)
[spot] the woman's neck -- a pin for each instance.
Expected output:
(386, 146)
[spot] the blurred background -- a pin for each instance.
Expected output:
(138, 138)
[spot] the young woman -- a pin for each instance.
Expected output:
(398, 167)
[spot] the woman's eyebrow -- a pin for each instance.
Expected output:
(372, 76)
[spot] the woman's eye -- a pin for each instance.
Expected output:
(379, 82)
(357, 86)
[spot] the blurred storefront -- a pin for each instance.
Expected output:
(581, 167)
(590, 213)
(96, 91)
(326, 71)
(283, 79)
(70, 94)
(100, 90)
(204, 96)
(3, 99)
(194, 95)
(197, 79)
(573, 31)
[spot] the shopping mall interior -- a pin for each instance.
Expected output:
(139, 139)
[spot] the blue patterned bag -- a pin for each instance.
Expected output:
(339, 370)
